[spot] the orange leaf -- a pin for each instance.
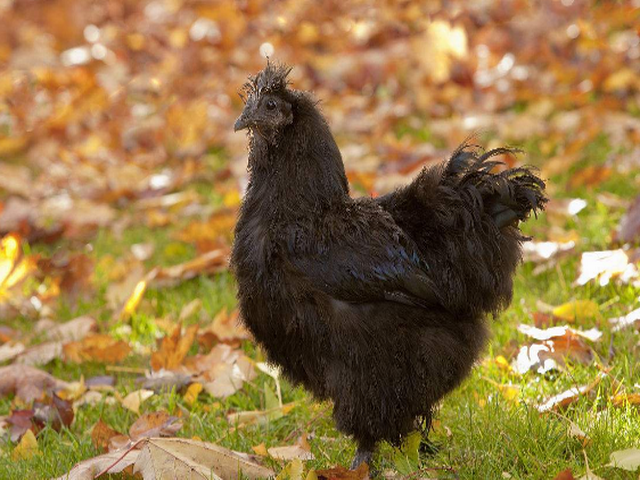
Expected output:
(101, 434)
(98, 348)
(174, 348)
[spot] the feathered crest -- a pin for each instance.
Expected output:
(272, 79)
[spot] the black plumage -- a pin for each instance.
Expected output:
(379, 304)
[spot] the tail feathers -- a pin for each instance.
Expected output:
(508, 197)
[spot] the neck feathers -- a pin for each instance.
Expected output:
(303, 167)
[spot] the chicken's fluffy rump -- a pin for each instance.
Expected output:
(379, 304)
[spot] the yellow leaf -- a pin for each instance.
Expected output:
(502, 363)
(134, 300)
(27, 448)
(577, 309)
(260, 450)
(191, 395)
(293, 471)
(231, 198)
(12, 145)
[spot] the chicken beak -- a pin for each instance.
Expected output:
(242, 122)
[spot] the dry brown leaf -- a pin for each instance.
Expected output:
(301, 450)
(226, 328)
(260, 417)
(558, 344)
(569, 396)
(73, 330)
(154, 424)
(222, 371)
(101, 435)
(341, 473)
(97, 348)
(629, 229)
(185, 458)
(564, 475)
(11, 350)
(118, 292)
(622, 399)
(133, 400)
(589, 176)
(112, 462)
(190, 309)
(27, 383)
(40, 354)
(212, 234)
(215, 261)
(174, 348)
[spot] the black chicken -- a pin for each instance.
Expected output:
(378, 304)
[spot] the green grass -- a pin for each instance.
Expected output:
(480, 433)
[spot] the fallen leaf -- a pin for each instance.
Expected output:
(27, 383)
(40, 354)
(301, 451)
(260, 417)
(626, 321)
(212, 234)
(53, 412)
(191, 395)
(589, 176)
(73, 391)
(551, 354)
(165, 381)
(576, 432)
(260, 449)
(185, 458)
(341, 473)
(119, 292)
(539, 252)
(19, 422)
(222, 371)
(134, 300)
(622, 399)
(101, 434)
(73, 330)
(154, 424)
(577, 310)
(629, 228)
(605, 265)
(97, 348)
(135, 399)
(190, 309)
(112, 462)
(174, 348)
(142, 251)
(215, 261)
(564, 475)
(226, 328)
(292, 471)
(27, 448)
(628, 459)
(10, 350)
(569, 396)
(592, 334)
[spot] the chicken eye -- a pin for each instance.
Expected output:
(271, 105)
